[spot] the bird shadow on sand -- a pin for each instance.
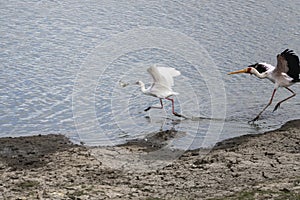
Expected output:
(194, 118)
(154, 141)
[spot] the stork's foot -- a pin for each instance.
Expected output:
(253, 120)
(276, 107)
(147, 109)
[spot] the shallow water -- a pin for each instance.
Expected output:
(61, 63)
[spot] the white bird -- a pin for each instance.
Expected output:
(161, 86)
(285, 74)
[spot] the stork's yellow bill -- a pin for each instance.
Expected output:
(246, 70)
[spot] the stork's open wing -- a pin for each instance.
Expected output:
(163, 75)
(288, 62)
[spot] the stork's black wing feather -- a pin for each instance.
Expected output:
(293, 64)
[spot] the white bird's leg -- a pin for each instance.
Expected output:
(278, 104)
(155, 107)
(256, 118)
(173, 111)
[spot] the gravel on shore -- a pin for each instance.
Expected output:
(264, 166)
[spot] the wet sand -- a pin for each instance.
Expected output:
(265, 166)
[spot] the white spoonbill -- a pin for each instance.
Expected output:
(161, 86)
(285, 74)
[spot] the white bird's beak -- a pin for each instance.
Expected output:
(246, 70)
(123, 84)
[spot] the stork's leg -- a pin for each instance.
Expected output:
(173, 111)
(278, 104)
(256, 118)
(161, 104)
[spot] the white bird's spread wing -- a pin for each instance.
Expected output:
(163, 76)
(168, 73)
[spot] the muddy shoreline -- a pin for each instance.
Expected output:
(264, 166)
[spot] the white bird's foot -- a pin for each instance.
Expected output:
(178, 115)
(147, 109)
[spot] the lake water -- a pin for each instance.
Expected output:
(61, 63)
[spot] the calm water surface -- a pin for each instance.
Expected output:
(46, 45)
